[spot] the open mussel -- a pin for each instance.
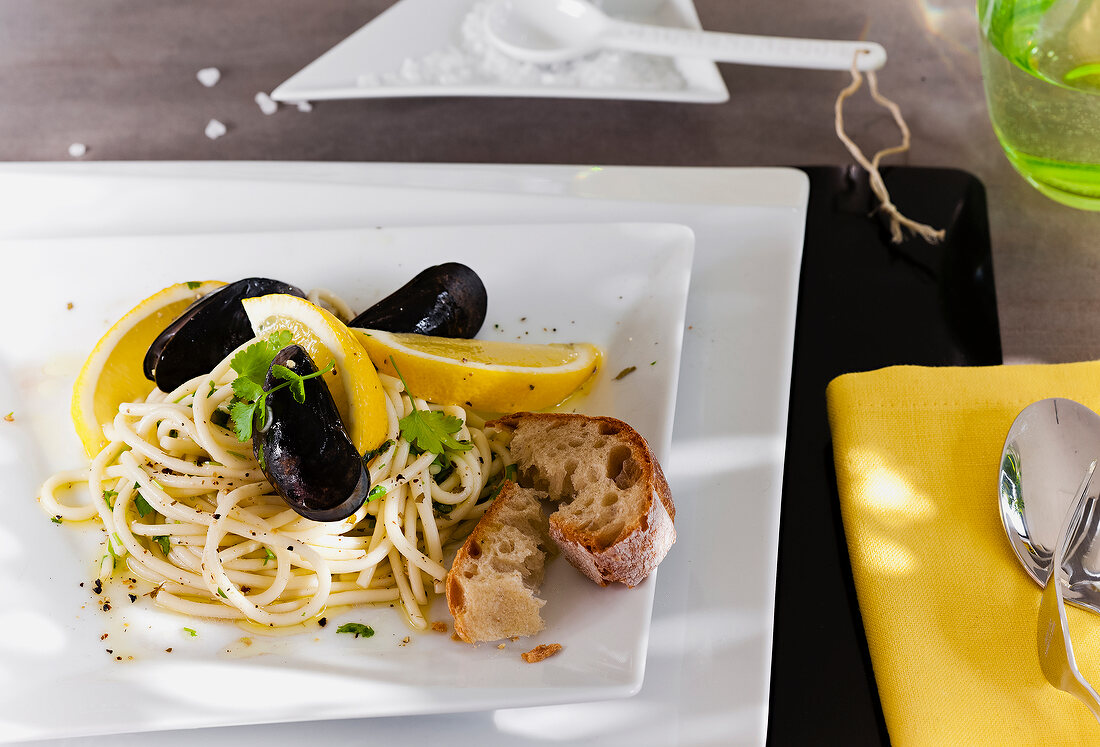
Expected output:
(447, 300)
(304, 449)
(206, 332)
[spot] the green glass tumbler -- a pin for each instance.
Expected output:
(1041, 70)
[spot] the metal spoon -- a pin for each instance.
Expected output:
(1052, 636)
(1049, 446)
(549, 31)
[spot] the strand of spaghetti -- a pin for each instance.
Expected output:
(327, 299)
(192, 608)
(379, 550)
(96, 476)
(363, 596)
(48, 496)
(421, 499)
(468, 470)
(469, 503)
(408, 602)
(393, 510)
(416, 579)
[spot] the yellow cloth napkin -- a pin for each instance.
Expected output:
(949, 612)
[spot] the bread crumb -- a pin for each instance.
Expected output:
(501, 646)
(405, 641)
(10, 417)
(439, 627)
(540, 652)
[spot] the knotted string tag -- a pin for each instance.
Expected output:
(897, 220)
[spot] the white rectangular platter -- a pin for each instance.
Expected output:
(709, 653)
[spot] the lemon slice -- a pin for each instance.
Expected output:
(113, 372)
(353, 383)
(492, 376)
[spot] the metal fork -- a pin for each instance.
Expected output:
(1052, 634)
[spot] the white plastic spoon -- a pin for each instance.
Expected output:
(549, 31)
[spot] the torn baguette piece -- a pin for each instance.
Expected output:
(616, 521)
(491, 587)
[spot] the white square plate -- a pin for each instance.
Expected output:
(709, 656)
(621, 286)
(420, 48)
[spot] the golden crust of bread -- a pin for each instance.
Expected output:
(617, 522)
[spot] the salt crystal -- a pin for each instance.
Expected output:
(215, 129)
(266, 103)
(304, 106)
(209, 76)
(76, 150)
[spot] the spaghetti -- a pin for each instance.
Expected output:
(188, 508)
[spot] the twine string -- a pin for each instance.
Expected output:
(878, 186)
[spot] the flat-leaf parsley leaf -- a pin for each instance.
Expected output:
(249, 401)
(430, 430)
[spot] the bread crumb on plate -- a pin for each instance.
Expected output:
(540, 652)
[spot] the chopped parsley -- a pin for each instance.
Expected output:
(268, 555)
(163, 543)
(142, 506)
(192, 632)
(193, 284)
(109, 498)
(55, 519)
(359, 629)
(376, 492)
(249, 397)
(381, 448)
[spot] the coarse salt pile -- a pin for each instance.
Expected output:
(475, 61)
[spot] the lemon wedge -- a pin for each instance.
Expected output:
(353, 383)
(491, 376)
(113, 372)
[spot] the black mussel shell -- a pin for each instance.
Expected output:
(447, 300)
(304, 449)
(207, 331)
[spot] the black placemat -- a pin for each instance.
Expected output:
(863, 303)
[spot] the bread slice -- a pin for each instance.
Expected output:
(616, 521)
(492, 583)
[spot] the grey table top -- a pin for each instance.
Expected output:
(120, 77)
